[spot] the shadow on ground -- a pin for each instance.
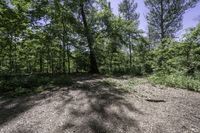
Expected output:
(90, 105)
(11, 108)
(98, 106)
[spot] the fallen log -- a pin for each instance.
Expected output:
(155, 100)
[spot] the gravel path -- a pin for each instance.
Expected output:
(103, 105)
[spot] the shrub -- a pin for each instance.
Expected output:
(62, 80)
(20, 85)
(176, 80)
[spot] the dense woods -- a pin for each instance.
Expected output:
(68, 36)
(96, 66)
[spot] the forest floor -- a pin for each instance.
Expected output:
(99, 104)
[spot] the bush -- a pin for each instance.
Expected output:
(62, 80)
(20, 85)
(176, 80)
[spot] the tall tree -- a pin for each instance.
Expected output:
(165, 16)
(89, 36)
(13, 22)
(127, 9)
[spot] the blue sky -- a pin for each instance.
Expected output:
(189, 18)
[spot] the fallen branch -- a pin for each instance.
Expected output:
(155, 100)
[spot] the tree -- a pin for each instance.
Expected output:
(192, 39)
(90, 39)
(13, 22)
(165, 16)
(127, 9)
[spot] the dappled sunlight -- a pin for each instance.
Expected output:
(81, 66)
(93, 104)
(100, 104)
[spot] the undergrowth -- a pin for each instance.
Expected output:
(29, 84)
(176, 80)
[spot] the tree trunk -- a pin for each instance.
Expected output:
(63, 49)
(48, 58)
(130, 52)
(10, 54)
(51, 59)
(68, 59)
(111, 60)
(162, 21)
(93, 62)
(60, 59)
(41, 62)
(15, 58)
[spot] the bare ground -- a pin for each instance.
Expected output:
(103, 105)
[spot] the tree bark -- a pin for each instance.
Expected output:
(41, 62)
(68, 59)
(130, 52)
(93, 62)
(111, 60)
(10, 54)
(162, 21)
(63, 51)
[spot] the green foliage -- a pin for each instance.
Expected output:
(81, 61)
(53, 37)
(176, 64)
(165, 17)
(177, 80)
(27, 84)
(62, 80)
(127, 9)
(174, 56)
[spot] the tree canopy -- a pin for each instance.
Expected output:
(86, 36)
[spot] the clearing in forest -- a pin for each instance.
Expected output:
(98, 104)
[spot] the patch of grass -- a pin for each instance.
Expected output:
(136, 81)
(176, 80)
(127, 84)
(108, 82)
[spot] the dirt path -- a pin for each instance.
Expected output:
(103, 105)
